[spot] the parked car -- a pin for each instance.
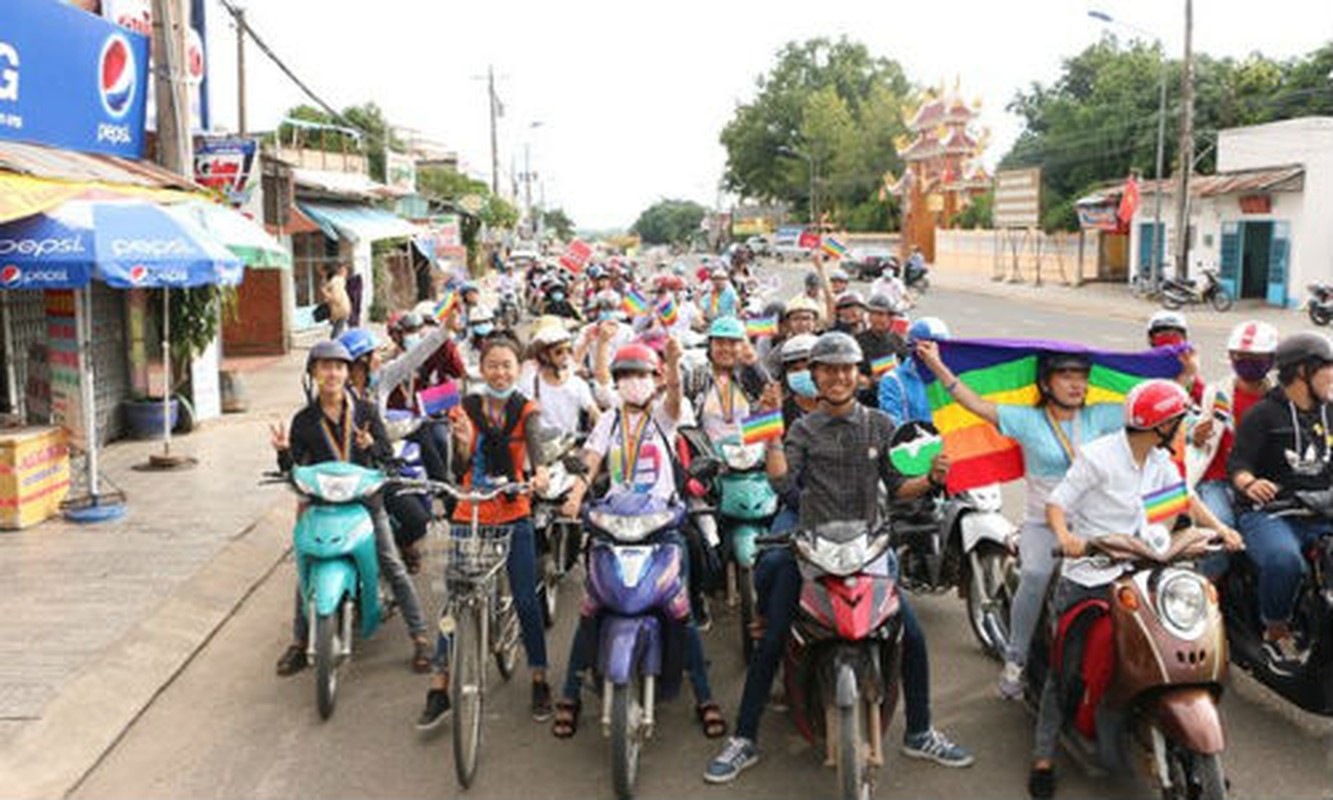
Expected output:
(868, 265)
(760, 246)
(787, 244)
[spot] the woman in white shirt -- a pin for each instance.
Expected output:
(548, 379)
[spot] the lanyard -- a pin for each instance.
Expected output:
(714, 301)
(495, 413)
(1059, 432)
(631, 448)
(341, 450)
(726, 405)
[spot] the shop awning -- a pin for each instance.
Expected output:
(358, 222)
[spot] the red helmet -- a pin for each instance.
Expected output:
(1153, 403)
(635, 357)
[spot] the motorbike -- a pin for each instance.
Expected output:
(843, 659)
(1320, 304)
(338, 565)
(559, 539)
(746, 507)
(636, 590)
(1177, 292)
(1311, 687)
(916, 275)
(1162, 628)
(507, 310)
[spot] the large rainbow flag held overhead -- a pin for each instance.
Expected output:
(1005, 371)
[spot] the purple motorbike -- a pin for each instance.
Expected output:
(637, 591)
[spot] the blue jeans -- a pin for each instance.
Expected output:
(1217, 496)
(522, 569)
(1277, 545)
(777, 582)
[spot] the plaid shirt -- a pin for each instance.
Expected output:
(827, 457)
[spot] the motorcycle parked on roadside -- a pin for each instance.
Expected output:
(1320, 304)
(1163, 628)
(1310, 687)
(1177, 292)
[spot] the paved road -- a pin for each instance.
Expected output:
(228, 728)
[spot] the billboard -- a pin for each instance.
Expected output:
(226, 166)
(1017, 198)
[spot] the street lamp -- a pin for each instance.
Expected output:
(1154, 257)
(792, 152)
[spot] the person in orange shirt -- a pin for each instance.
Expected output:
(496, 434)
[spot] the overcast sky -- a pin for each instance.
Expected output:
(632, 95)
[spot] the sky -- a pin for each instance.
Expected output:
(631, 96)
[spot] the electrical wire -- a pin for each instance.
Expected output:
(244, 24)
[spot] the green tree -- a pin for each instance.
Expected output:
(669, 222)
(498, 213)
(367, 120)
(442, 183)
(559, 223)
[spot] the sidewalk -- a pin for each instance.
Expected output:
(96, 620)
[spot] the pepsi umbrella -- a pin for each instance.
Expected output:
(243, 236)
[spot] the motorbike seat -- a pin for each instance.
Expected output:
(1083, 659)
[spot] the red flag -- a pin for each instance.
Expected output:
(576, 257)
(1129, 200)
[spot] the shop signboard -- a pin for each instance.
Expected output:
(137, 16)
(400, 171)
(89, 93)
(226, 165)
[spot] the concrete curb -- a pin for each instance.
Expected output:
(78, 728)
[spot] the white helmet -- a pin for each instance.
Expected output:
(481, 314)
(1253, 337)
(550, 331)
(1168, 321)
(797, 348)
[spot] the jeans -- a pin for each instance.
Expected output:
(584, 646)
(1050, 716)
(1216, 495)
(1037, 565)
(392, 570)
(777, 582)
(1277, 545)
(787, 519)
(522, 569)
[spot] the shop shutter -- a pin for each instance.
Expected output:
(109, 353)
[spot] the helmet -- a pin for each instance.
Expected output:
(775, 308)
(1153, 403)
(1054, 362)
(1167, 321)
(607, 299)
(726, 328)
(850, 299)
(839, 274)
(596, 271)
(549, 331)
(1259, 338)
(801, 304)
(719, 272)
(883, 304)
(636, 357)
(812, 280)
(327, 350)
(797, 348)
(481, 314)
(927, 328)
(359, 342)
(678, 268)
(411, 321)
(1302, 347)
(835, 348)
(469, 287)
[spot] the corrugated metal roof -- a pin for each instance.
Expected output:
(1276, 179)
(53, 163)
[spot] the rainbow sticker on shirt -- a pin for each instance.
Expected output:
(1166, 504)
(647, 468)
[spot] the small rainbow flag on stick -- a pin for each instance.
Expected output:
(634, 303)
(1166, 504)
(1222, 407)
(446, 305)
(762, 426)
(669, 312)
(761, 326)
(833, 248)
(883, 365)
(438, 399)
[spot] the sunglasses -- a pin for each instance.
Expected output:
(561, 350)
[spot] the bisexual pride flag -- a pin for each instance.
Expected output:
(438, 399)
(1004, 371)
(761, 427)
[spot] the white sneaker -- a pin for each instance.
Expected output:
(1011, 681)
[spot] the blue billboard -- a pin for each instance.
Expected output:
(88, 93)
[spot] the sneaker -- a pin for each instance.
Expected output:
(1285, 657)
(437, 708)
(935, 746)
(703, 616)
(738, 755)
(293, 661)
(1041, 783)
(1011, 681)
(541, 701)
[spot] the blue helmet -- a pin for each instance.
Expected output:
(359, 342)
(726, 328)
(927, 328)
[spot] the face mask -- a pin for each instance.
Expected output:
(482, 330)
(637, 391)
(373, 380)
(411, 340)
(1251, 369)
(802, 383)
(1165, 339)
(499, 394)
(557, 296)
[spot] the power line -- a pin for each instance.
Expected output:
(244, 24)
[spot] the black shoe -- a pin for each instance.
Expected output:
(293, 661)
(437, 708)
(541, 701)
(1041, 783)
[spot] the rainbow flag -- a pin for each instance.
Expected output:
(762, 426)
(883, 365)
(438, 399)
(1222, 407)
(833, 248)
(1005, 371)
(446, 305)
(669, 312)
(761, 326)
(1166, 504)
(634, 303)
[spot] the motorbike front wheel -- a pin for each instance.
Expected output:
(1195, 776)
(1320, 315)
(852, 782)
(1221, 299)
(626, 739)
(327, 627)
(468, 687)
(990, 596)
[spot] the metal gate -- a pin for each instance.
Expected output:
(110, 354)
(26, 309)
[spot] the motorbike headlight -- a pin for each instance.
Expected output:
(742, 457)
(1183, 601)
(631, 528)
(337, 488)
(836, 558)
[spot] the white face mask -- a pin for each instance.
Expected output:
(637, 390)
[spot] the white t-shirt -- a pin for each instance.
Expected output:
(559, 405)
(1103, 494)
(651, 470)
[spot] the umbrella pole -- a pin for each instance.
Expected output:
(88, 390)
(11, 391)
(166, 370)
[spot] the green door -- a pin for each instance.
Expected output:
(1229, 271)
(1278, 255)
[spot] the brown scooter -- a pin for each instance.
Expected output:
(1170, 661)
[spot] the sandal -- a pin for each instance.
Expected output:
(566, 722)
(421, 655)
(710, 717)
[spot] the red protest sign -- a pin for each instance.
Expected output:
(576, 256)
(809, 239)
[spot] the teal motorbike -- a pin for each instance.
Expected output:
(338, 566)
(745, 511)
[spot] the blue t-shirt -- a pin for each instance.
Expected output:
(1044, 459)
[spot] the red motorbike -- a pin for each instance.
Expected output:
(842, 662)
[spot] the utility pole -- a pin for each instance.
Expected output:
(174, 148)
(527, 183)
(1186, 146)
(240, 70)
(495, 147)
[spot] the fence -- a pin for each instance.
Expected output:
(1019, 255)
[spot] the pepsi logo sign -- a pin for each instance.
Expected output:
(117, 76)
(10, 275)
(39, 248)
(151, 248)
(138, 273)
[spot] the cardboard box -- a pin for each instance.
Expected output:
(34, 475)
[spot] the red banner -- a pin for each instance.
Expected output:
(576, 257)
(809, 239)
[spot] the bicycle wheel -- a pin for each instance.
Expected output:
(504, 627)
(468, 687)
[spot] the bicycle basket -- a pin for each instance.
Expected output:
(475, 555)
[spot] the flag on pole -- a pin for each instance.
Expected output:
(1129, 200)
(761, 326)
(446, 305)
(634, 303)
(438, 399)
(883, 365)
(833, 248)
(762, 427)
(669, 312)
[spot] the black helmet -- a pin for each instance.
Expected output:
(411, 321)
(327, 350)
(850, 300)
(882, 302)
(835, 347)
(812, 280)
(1300, 348)
(1054, 362)
(776, 308)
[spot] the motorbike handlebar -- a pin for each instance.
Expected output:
(468, 496)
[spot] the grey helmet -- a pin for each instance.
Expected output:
(798, 348)
(835, 347)
(327, 350)
(1300, 348)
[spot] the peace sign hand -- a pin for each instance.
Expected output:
(278, 436)
(364, 438)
